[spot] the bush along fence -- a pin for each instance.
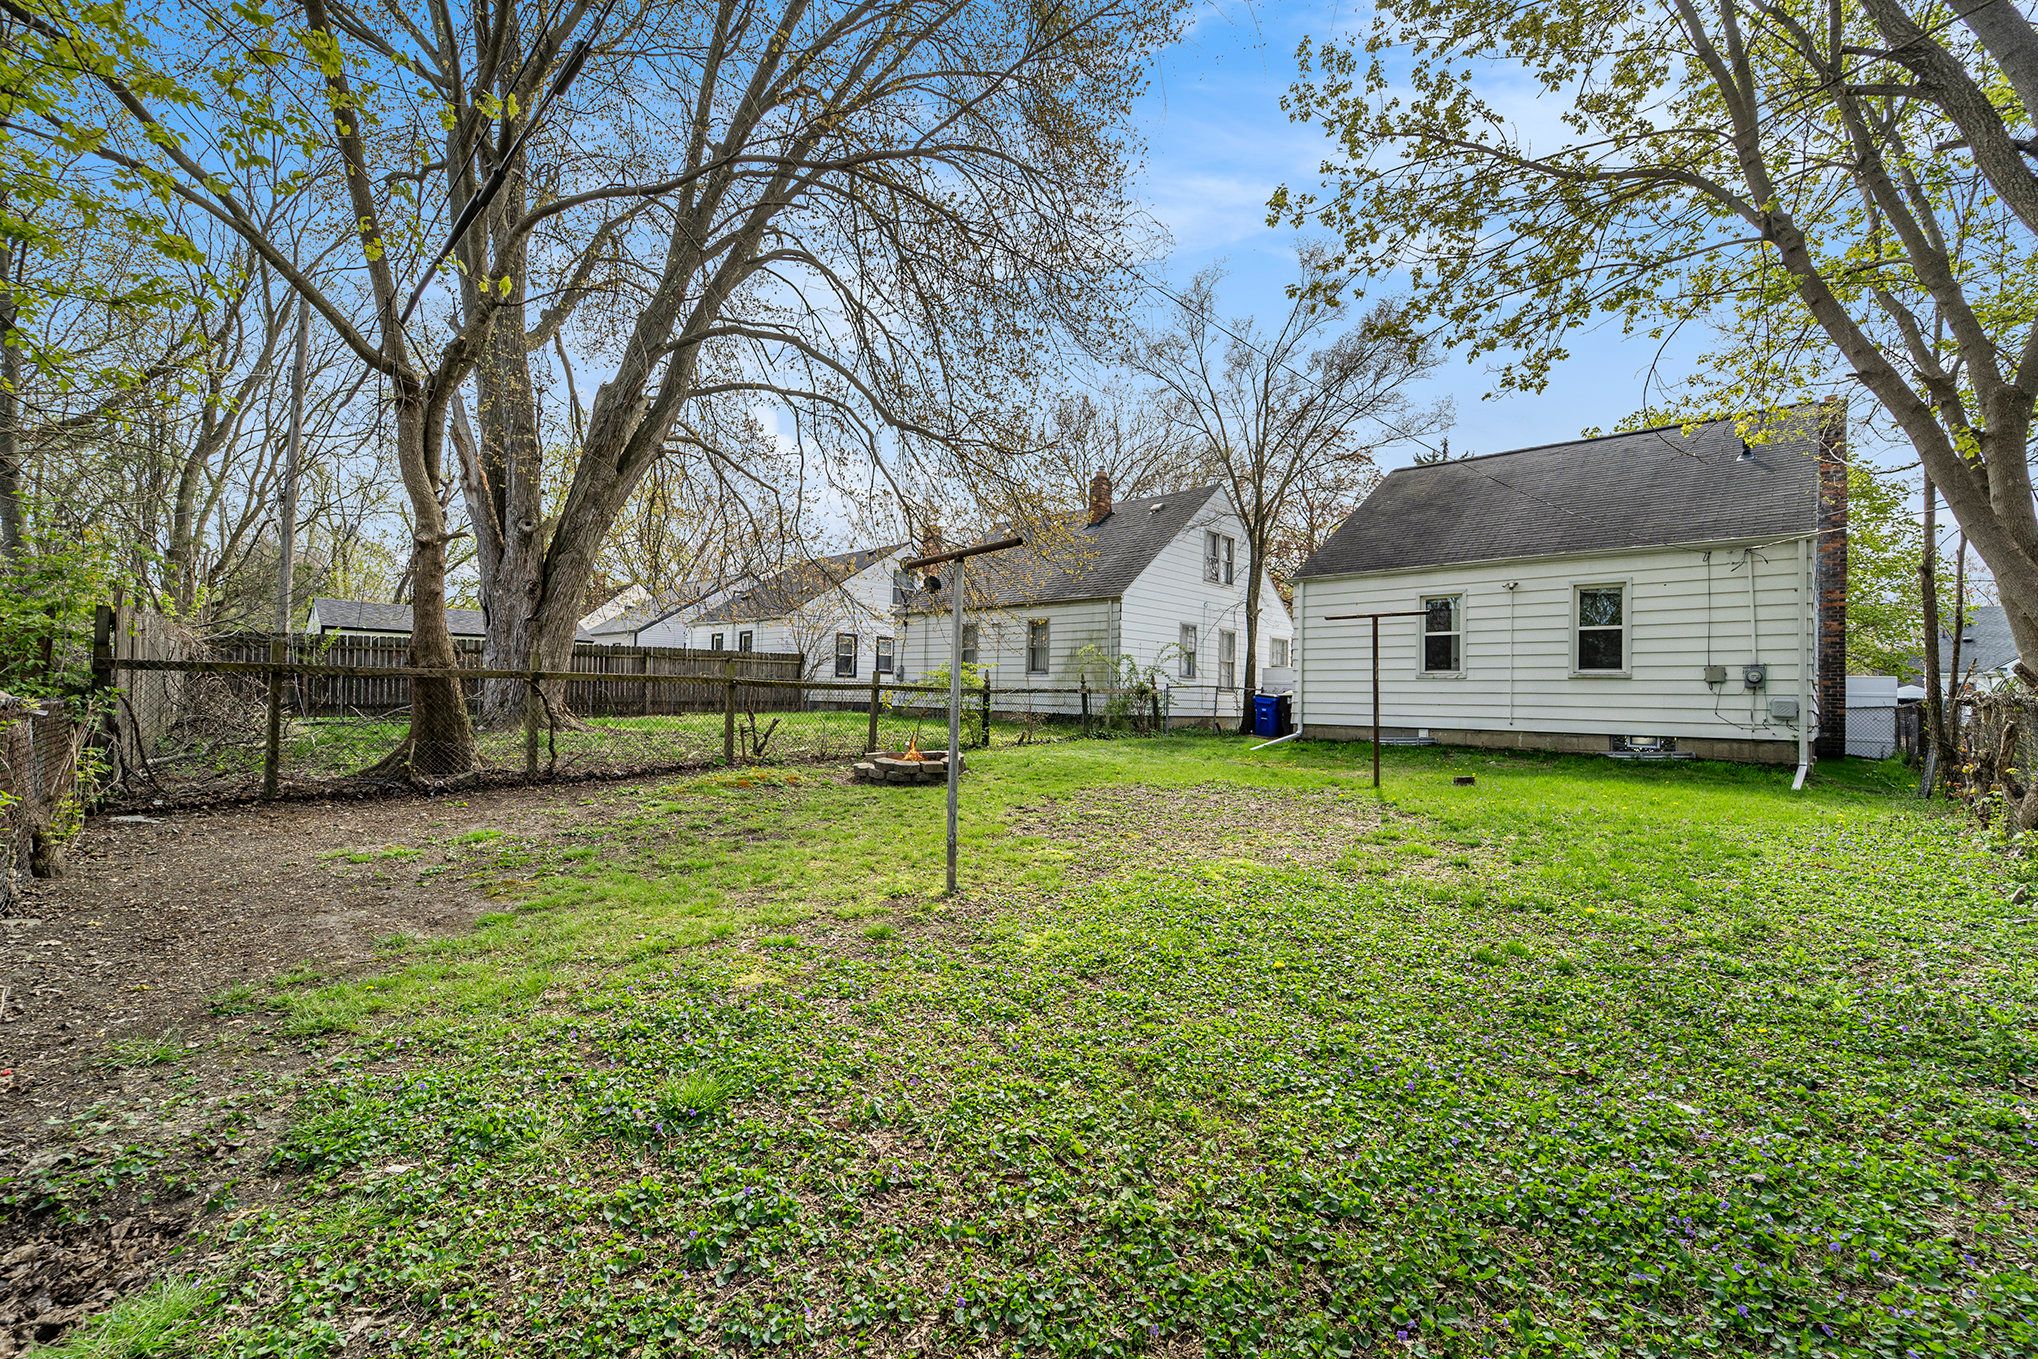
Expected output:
(187, 722)
(44, 778)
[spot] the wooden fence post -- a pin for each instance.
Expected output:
(870, 739)
(729, 713)
(987, 711)
(272, 746)
(102, 647)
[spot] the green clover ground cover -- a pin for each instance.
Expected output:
(1586, 1059)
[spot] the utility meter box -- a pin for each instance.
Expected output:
(1754, 676)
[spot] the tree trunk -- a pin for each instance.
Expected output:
(12, 495)
(1937, 731)
(440, 745)
(1252, 638)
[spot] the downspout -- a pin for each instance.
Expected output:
(1805, 678)
(1510, 587)
(1301, 669)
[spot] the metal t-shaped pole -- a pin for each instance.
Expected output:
(1374, 619)
(955, 607)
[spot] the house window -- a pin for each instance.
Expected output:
(743, 640)
(884, 661)
(1187, 669)
(1443, 634)
(714, 641)
(969, 644)
(1277, 652)
(902, 589)
(1036, 646)
(845, 655)
(1220, 557)
(1227, 660)
(1602, 629)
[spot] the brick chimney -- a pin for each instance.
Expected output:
(1100, 498)
(1830, 555)
(930, 540)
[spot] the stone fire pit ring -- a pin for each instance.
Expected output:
(888, 767)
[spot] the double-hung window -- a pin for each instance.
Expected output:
(1601, 615)
(714, 641)
(969, 644)
(1220, 557)
(845, 655)
(744, 640)
(1187, 644)
(1277, 652)
(1443, 634)
(1227, 660)
(1036, 646)
(902, 589)
(884, 664)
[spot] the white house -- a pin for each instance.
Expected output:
(1647, 592)
(838, 612)
(1159, 579)
(638, 618)
(371, 618)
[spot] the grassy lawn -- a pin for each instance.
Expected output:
(1218, 1054)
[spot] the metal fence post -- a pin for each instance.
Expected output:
(272, 746)
(1085, 681)
(870, 739)
(987, 711)
(729, 712)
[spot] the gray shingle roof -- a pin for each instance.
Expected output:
(1985, 643)
(366, 615)
(778, 595)
(1647, 488)
(1090, 561)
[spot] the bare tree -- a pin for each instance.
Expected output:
(1281, 416)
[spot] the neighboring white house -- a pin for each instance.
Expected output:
(1160, 579)
(838, 612)
(1619, 594)
(637, 618)
(363, 617)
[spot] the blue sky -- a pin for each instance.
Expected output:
(1219, 143)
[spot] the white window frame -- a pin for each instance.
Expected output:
(1457, 597)
(903, 586)
(1227, 659)
(971, 638)
(1626, 628)
(845, 657)
(1039, 665)
(1187, 640)
(1220, 558)
(884, 656)
(1277, 653)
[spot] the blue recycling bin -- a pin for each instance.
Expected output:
(1267, 715)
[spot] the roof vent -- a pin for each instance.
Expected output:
(1747, 451)
(1157, 506)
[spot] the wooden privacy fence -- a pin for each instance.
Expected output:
(363, 673)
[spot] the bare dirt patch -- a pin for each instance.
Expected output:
(131, 1038)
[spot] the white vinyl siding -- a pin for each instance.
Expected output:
(1679, 613)
(996, 638)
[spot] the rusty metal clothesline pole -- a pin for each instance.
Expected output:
(1374, 619)
(958, 556)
